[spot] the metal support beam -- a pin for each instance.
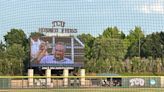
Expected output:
(79, 42)
(72, 48)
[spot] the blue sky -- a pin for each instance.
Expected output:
(88, 16)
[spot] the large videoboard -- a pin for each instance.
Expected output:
(57, 46)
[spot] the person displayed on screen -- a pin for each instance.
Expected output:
(35, 43)
(41, 53)
(58, 55)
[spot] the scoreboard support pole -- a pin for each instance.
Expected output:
(30, 79)
(82, 74)
(48, 79)
(65, 79)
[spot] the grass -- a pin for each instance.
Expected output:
(88, 90)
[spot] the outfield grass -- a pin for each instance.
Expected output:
(88, 90)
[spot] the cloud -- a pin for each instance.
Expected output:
(153, 7)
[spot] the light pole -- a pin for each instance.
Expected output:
(139, 42)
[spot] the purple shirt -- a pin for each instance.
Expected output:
(50, 59)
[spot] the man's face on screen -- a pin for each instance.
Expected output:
(59, 51)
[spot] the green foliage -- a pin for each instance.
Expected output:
(2, 49)
(133, 49)
(15, 51)
(108, 52)
(113, 32)
(135, 35)
(153, 45)
(106, 48)
(135, 38)
(12, 60)
(88, 40)
(162, 37)
(110, 49)
(15, 36)
(11, 66)
(2, 46)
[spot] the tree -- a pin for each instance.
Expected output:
(107, 51)
(108, 54)
(136, 49)
(106, 48)
(2, 46)
(135, 35)
(162, 37)
(152, 46)
(113, 32)
(88, 41)
(15, 36)
(2, 50)
(15, 51)
(135, 38)
(12, 61)
(17, 45)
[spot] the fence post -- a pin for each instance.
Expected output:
(65, 74)
(48, 79)
(30, 75)
(162, 81)
(82, 79)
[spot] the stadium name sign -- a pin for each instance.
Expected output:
(57, 30)
(58, 27)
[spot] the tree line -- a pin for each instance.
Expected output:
(110, 52)
(115, 52)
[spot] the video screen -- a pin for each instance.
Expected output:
(55, 50)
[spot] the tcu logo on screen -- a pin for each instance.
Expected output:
(137, 82)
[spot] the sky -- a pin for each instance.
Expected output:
(88, 16)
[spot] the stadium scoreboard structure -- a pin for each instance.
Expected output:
(59, 33)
